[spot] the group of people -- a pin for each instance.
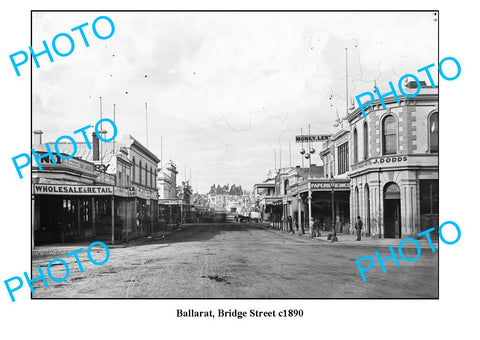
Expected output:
(316, 227)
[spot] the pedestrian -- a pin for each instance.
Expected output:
(317, 228)
(313, 226)
(358, 227)
(290, 222)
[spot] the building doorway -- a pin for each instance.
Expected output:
(391, 215)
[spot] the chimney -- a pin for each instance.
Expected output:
(96, 147)
(413, 84)
(37, 137)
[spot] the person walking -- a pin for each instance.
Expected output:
(290, 222)
(358, 227)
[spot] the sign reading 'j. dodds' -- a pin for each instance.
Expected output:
(312, 138)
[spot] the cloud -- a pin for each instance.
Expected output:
(223, 88)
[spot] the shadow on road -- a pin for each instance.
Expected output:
(201, 232)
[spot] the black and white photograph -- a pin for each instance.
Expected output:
(238, 170)
(236, 162)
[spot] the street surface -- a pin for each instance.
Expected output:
(236, 260)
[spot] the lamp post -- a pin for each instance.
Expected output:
(311, 151)
(334, 231)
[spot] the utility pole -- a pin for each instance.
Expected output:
(346, 82)
(290, 151)
(146, 123)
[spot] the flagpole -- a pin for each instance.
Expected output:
(146, 123)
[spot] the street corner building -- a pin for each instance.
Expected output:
(394, 164)
(107, 193)
(383, 168)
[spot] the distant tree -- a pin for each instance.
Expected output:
(225, 189)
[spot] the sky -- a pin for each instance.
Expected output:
(225, 90)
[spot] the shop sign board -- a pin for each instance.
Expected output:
(325, 186)
(123, 192)
(142, 193)
(383, 161)
(78, 164)
(312, 138)
(83, 190)
(170, 201)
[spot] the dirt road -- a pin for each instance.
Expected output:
(238, 261)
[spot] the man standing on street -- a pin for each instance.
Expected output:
(358, 227)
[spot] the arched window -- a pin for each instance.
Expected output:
(355, 146)
(286, 187)
(365, 141)
(389, 138)
(433, 132)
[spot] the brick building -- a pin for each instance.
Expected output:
(394, 164)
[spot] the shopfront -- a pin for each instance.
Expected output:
(68, 213)
(396, 199)
(317, 196)
(170, 212)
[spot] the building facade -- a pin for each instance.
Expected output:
(99, 194)
(394, 164)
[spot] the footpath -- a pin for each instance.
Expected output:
(350, 240)
(64, 248)
(378, 242)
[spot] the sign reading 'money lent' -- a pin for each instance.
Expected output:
(313, 138)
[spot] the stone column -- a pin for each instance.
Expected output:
(299, 212)
(310, 224)
(291, 214)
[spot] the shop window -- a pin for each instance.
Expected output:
(355, 146)
(389, 137)
(85, 210)
(428, 196)
(433, 132)
(365, 140)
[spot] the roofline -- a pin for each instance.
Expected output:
(144, 149)
(391, 99)
(264, 185)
